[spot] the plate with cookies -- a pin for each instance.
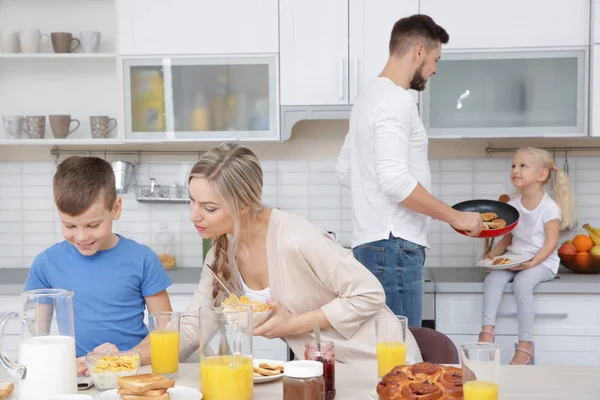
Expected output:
(505, 261)
(267, 370)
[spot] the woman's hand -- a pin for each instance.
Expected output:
(523, 266)
(281, 324)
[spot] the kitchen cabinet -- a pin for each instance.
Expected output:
(330, 50)
(595, 96)
(567, 328)
(596, 21)
(205, 98)
(156, 27)
(516, 93)
(476, 24)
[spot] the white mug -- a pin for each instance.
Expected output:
(10, 42)
(30, 40)
(90, 41)
(14, 126)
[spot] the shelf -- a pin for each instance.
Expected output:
(62, 142)
(59, 55)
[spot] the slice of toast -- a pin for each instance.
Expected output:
(140, 384)
(6, 389)
(152, 392)
(164, 396)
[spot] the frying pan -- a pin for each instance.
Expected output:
(504, 211)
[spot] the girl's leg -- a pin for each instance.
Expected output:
(523, 286)
(494, 285)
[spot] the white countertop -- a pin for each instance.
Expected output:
(358, 381)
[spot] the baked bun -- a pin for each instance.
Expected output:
(488, 216)
(422, 381)
(497, 224)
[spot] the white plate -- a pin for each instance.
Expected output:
(176, 393)
(374, 396)
(517, 259)
(263, 379)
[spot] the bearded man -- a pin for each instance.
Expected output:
(384, 162)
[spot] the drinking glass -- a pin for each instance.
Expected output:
(480, 370)
(164, 343)
(390, 333)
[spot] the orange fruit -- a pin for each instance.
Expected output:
(583, 243)
(582, 259)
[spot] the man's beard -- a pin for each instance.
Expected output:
(418, 81)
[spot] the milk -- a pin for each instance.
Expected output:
(51, 367)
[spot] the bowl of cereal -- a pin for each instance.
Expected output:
(261, 310)
(106, 368)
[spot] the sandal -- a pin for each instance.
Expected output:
(530, 355)
(489, 331)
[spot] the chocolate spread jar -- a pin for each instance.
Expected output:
(303, 380)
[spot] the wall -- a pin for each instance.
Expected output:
(299, 177)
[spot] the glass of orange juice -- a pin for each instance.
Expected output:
(390, 332)
(480, 370)
(164, 343)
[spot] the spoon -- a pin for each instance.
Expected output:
(222, 284)
(317, 332)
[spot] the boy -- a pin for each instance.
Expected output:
(113, 278)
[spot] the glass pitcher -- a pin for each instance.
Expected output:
(226, 370)
(47, 365)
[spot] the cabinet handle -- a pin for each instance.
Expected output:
(356, 77)
(342, 79)
(538, 315)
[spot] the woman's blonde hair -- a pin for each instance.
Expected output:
(235, 174)
(562, 192)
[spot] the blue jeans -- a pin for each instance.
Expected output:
(398, 264)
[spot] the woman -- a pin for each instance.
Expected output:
(258, 250)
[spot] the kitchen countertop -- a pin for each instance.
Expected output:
(437, 280)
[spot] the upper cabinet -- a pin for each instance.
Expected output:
(330, 50)
(595, 97)
(474, 24)
(156, 27)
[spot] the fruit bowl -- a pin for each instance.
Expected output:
(581, 263)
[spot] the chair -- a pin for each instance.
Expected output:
(435, 347)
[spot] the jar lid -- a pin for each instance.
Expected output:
(303, 369)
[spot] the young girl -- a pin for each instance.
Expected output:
(259, 250)
(536, 235)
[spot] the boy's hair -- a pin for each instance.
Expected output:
(409, 31)
(81, 181)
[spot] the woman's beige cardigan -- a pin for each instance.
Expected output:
(310, 270)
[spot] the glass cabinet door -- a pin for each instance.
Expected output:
(204, 99)
(508, 94)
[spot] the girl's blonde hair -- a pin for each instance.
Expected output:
(562, 192)
(235, 174)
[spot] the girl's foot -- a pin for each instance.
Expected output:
(486, 335)
(523, 354)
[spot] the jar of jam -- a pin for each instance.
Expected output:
(303, 380)
(323, 352)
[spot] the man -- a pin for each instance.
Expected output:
(384, 163)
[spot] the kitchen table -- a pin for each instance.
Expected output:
(358, 381)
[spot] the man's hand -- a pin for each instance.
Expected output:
(470, 222)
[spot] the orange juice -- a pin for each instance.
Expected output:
(220, 380)
(480, 390)
(390, 355)
(164, 351)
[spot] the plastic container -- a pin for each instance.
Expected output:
(303, 380)
(324, 353)
(164, 246)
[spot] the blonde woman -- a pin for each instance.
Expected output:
(536, 235)
(309, 276)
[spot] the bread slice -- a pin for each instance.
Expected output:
(140, 384)
(153, 392)
(6, 389)
(164, 396)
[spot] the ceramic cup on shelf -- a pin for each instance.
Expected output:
(14, 126)
(101, 126)
(62, 42)
(36, 126)
(10, 42)
(30, 40)
(90, 41)
(61, 124)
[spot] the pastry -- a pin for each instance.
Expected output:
(497, 224)
(501, 261)
(488, 216)
(422, 381)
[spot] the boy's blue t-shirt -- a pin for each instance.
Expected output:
(109, 289)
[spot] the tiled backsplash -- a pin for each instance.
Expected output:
(29, 222)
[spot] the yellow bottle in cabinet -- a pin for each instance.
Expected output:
(147, 101)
